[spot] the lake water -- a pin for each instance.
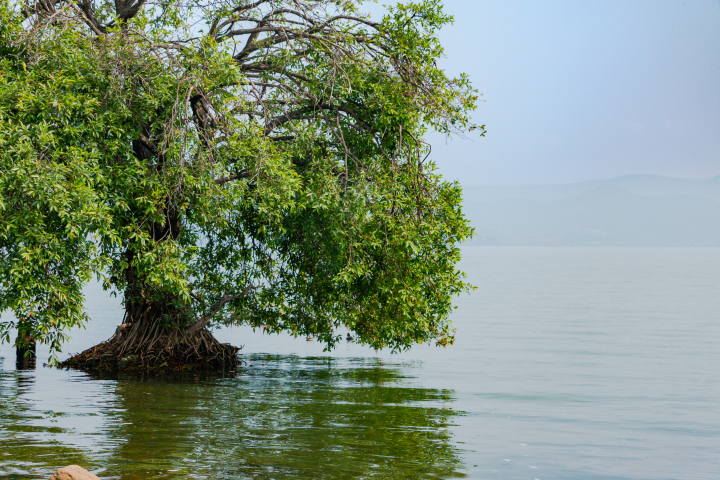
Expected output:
(570, 363)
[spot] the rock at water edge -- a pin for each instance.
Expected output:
(73, 472)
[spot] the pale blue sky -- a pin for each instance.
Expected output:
(578, 90)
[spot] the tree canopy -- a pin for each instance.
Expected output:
(229, 162)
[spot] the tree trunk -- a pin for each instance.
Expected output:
(155, 331)
(24, 348)
(154, 336)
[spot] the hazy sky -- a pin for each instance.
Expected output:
(579, 90)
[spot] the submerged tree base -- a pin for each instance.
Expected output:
(167, 351)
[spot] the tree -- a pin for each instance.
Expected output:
(227, 162)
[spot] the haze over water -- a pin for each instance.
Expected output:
(590, 362)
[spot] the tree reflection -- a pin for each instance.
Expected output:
(284, 417)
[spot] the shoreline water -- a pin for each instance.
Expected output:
(583, 363)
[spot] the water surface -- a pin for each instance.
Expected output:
(592, 363)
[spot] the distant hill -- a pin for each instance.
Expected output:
(641, 210)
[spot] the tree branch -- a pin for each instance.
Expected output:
(288, 117)
(151, 146)
(130, 12)
(302, 114)
(205, 319)
(89, 21)
(230, 178)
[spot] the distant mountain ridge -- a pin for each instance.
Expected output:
(634, 210)
(637, 184)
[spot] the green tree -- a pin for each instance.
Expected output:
(227, 162)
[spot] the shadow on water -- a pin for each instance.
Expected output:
(275, 417)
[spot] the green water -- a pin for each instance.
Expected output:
(277, 417)
(569, 364)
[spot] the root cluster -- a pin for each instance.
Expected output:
(144, 346)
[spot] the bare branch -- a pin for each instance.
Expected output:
(90, 23)
(300, 114)
(205, 319)
(230, 178)
(91, 20)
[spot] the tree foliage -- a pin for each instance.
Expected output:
(229, 162)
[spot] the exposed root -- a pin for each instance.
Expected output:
(148, 346)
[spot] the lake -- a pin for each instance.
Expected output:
(570, 363)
